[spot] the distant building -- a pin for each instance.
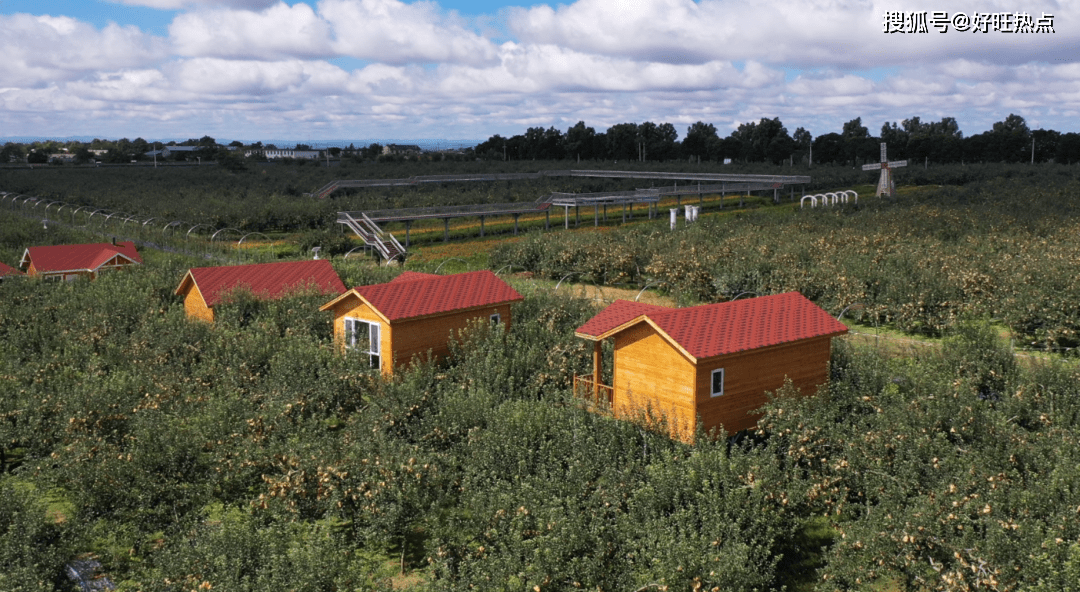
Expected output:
(205, 287)
(714, 363)
(8, 271)
(69, 262)
(173, 151)
(416, 314)
(275, 154)
(401, 149)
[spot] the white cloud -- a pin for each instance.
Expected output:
(543, 68)
(264, 68)
(41, 50)
(278, 31)
(182, 4)
(393, 32)
(844, 85)
(248, 78)
(817, 33)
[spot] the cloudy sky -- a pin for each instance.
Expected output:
(325, 70)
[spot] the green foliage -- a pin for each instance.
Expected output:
(33, 549)
(251, 455)
(240, 552)
(975, 252)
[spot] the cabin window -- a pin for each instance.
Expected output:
(496, 319)
(363, 337)
(718, 382)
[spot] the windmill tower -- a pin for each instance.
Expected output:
(886, 185)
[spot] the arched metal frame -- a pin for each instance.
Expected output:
(564, 278)
(353, 249)
(188, 234)
(511, 266)
(106, 222)
(213, 237)
(168, 226)
(448, 259)
(853, 305)
(831, 198)
(91, 216)
(647, 285)
(272, 250)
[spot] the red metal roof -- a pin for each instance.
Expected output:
(266, 281)
(718, 329)
(85, 257)
(617, 313)
(8, 270)
(408, 276)
(439, 294)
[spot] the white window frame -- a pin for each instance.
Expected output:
(712, 383)
(496, 319)
(373, 349)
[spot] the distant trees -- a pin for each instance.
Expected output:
(768, 140)
(701, 141)
(764, 140)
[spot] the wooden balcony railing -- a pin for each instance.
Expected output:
(586, 389)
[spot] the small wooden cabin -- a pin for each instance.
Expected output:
(205, 287)
(8, 271)
(416, 313)
(714, 362)
(69, 262)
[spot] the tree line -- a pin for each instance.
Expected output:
(768, 140)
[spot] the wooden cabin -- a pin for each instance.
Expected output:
(205, 287)
(416, 313)
(7, 271)
(69, 262)
(713, 362)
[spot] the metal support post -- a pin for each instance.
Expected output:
(408, 223)
(577, 216)
(516, 224)
(596, 215)
(446, 230)
(547, 218)
(566, 217)
(481, 227)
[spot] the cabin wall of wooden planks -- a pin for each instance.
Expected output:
(195, 306)
(652, 379)
(415, 337)
(749, 375)
(402, 340)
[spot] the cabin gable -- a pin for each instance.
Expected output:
(652, 376)
(351, 308)
(194, 304)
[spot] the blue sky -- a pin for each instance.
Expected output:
(370, 69)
